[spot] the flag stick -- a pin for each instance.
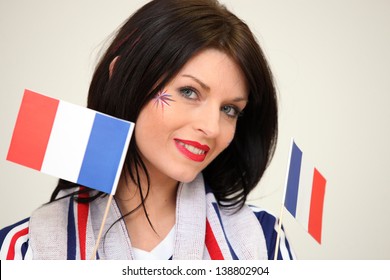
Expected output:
(282, 205)
(93, 256)
(279, 231)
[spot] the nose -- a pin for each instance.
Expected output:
(208, 121)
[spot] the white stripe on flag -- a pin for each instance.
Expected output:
(304, 192)
(68, 141)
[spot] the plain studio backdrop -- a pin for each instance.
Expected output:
(331, 63)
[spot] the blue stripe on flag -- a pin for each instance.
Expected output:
(293, 179)
(103, 153)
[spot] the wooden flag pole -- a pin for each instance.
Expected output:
(282, 206)
(93, 256)
(279, 232)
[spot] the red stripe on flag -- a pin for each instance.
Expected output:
(32, 130)
(212, 244)
(317, 205)
(17, 235)
(82, 218)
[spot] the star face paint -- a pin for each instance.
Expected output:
(162, 98)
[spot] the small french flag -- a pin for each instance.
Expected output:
(70, 142)
(305, 191)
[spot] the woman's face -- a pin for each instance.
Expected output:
(193, 119)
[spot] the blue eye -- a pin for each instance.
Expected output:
(230, 111)
(188, 93)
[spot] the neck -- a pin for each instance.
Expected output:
(159, 198)
(147, 225)
(159, 190)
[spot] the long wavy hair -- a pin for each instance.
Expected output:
(152, 46)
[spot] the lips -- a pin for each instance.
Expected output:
(192, 150)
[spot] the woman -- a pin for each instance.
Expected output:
(192, 77)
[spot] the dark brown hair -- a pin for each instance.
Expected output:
(152, 46)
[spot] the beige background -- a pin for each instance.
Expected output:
(331, 63)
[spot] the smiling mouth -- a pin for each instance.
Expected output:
(192, 150)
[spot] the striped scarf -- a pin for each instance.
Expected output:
(202, 230)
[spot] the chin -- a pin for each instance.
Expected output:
(186, 178)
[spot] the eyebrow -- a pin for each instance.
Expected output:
(240, 99)
(202, 84)
(206, 87)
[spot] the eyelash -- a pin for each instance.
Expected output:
(236, 114)
(185, 90)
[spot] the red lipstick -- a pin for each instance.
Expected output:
(192, 149)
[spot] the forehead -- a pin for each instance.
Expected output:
(215, 69)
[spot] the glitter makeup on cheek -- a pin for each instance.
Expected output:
(162, 98)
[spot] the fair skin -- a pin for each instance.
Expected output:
(178, 134)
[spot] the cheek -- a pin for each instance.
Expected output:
(155, 122)
(147, 126)
(226, 137)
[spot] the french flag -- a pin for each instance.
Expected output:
(70, 142)
(305, 191)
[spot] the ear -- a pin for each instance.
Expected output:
(112, 65)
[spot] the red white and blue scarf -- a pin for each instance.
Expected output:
(66, 230)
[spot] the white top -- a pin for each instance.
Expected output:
(163, 251)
